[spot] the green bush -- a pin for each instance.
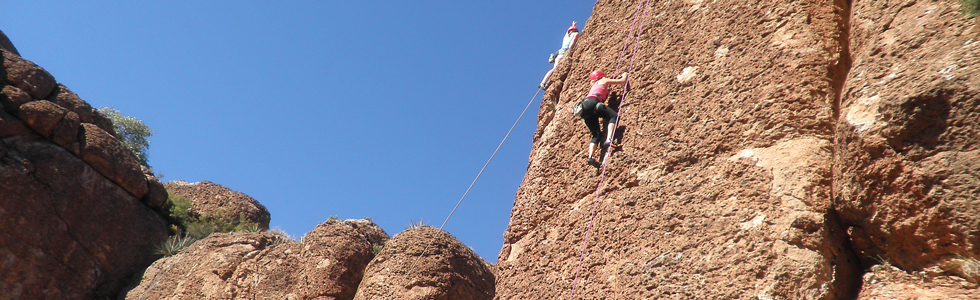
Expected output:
(179, 212)
(178, 209)
(131, 132)
(199, 230)
(971, 7)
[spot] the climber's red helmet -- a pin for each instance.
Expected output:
(596, 75)
(573, 28)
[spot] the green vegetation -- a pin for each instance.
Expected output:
(333, 218)
(174, 244)
(131, 132)
(191, 227)
(376, 248)
(971, 7)
(179, 212)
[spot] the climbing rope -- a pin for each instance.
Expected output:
(491, 158)
(478, 176)
(605, 159)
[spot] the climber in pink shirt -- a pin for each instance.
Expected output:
(593, 108)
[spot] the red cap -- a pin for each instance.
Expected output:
(570, 29)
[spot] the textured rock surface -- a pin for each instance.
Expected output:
(758, 163)
(426, 263)
(68, 232)
(211, 199)
(328, 264)
(722, 190)
(104, 153)
(74, 226)
(884, 282)
(909, 135)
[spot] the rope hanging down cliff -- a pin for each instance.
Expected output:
(477, 177)
(605, 159)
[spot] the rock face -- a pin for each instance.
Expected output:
(75, 223)
(211, 199)
(908, 138)
(328, 264)
(885, 282)
(773, 150)
(426, 263)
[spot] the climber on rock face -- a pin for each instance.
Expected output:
(570, 36)
(593, 108)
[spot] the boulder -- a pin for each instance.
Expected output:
(327, 264)
(108, 156)
(69, 100)
(27, 76)
(12, 98)
(156, 194)
(426, 263)
(368, 229)
(214, 200)
(43, 116)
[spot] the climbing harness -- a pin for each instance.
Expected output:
(605, 159)
(477, 176)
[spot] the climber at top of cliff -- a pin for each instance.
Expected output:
(592, 108)
(570, 36)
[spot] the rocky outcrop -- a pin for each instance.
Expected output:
(771, 148)
(73, 206)
(327, 264)
(908, 137)
(426, 263)
(213, 200)
(32, 95)
(722, 190)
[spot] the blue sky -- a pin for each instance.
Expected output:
(379, 109)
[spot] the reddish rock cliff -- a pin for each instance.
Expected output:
(773, 150)
(76, 210)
